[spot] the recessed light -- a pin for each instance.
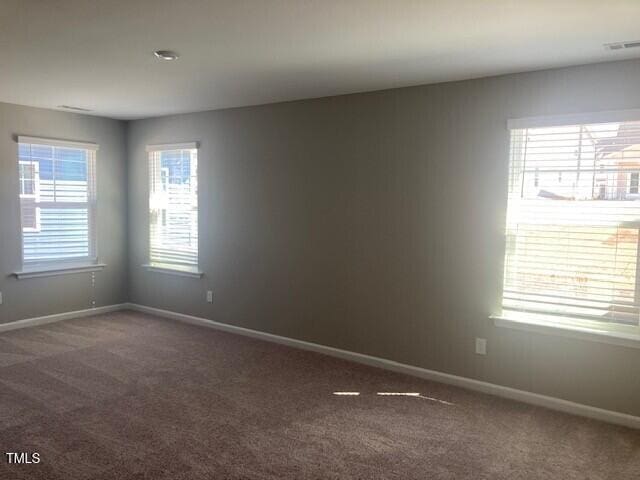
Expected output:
(76, 109)
(166, 55)
(622, 45)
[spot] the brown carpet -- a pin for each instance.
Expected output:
(131, 396)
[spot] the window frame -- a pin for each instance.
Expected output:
(31, 269)
(161, 267)
(546, 323)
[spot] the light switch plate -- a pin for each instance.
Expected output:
(481, 346)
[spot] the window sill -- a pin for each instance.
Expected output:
(583, 330)
(172, 270)
(54, 270)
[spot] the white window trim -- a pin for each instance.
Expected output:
(58, 143)
(57, 269)
(574, 119)
(571, 328)
(173, 270)
(173, 146)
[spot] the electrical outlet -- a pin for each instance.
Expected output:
(209, 296)
(481, 346)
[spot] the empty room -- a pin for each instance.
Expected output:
(319, 239)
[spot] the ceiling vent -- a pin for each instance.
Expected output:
(622, 45)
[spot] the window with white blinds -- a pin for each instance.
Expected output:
(173, 206)
(573, 219)
(57, 201)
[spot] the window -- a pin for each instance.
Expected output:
(29, 180)
(164, 178)
(633, 182)
(57, 201)
(573, 220)
(173, 207)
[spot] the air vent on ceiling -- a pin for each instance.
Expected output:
(75, 109)
(622, 45)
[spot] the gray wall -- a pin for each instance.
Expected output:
(368, 222)
(45, 296)
(374, 223)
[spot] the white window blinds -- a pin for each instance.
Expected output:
(57, 201)
(173, 206)
(572, 222)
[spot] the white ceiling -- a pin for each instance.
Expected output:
(97, 54)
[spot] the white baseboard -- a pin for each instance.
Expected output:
(464, 382)
(32, 322)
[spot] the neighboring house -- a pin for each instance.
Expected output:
(619, 164)
(596, 165)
